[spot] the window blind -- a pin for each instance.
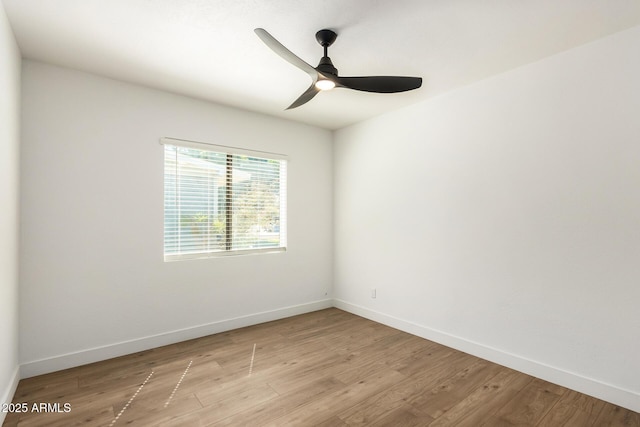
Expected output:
(221, 201)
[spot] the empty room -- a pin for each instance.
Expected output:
(336, 213)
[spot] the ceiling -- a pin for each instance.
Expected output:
(208, 50)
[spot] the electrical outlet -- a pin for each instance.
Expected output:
(373, 293)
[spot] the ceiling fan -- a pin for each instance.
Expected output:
(325, 75)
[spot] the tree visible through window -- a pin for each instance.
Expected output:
(220, 202)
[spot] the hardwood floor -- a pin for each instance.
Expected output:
(327, 368)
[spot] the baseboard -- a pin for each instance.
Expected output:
(70, 360)
(618, 396)
(7, 395)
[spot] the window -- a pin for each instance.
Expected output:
(220, 200)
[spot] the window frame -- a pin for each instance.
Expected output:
(230, 152)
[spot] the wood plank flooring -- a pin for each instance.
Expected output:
(327, 368)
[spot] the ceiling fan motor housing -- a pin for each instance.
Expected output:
(326, 66)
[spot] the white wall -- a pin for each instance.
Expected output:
(93, 280)
(9, 201)
(504, 218)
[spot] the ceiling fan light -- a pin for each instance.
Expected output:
(325, 84)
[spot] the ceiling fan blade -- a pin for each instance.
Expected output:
(380, 84)
(285, 53)
(305, 97)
